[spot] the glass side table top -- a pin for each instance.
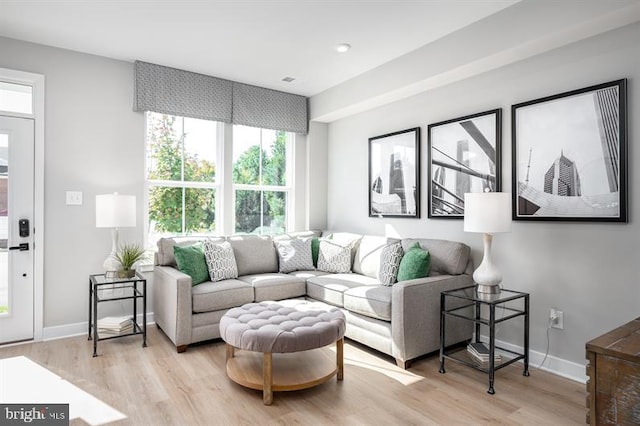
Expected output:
(102, 279)
(471, 293)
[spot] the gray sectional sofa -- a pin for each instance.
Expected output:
(401, 320)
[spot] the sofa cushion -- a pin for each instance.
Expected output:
(390, 259)
(275, 286)
(308, 274)
(367, 258)
(330, 288)
(210, 296)
(294, 255)
(220, 261)
(414, 264)
(192, 262)
(254, 254)
(372, 301)
(334, 257)
(165, 256)
(447, 257)
(345, 238)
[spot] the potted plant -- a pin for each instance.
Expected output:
(128, 255)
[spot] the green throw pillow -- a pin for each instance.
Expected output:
(414, 264)
(191, 261)
(315, 249)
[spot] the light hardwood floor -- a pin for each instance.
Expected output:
(157, 386)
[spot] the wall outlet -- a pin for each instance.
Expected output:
(556, 317)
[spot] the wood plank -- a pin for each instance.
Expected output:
(155, 385)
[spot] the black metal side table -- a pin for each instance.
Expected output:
(133, 289)
(477, 300)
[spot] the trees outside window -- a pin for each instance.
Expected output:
(181, 175)
(260, 171)
(183, 183)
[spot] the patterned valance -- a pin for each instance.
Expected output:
(259, 107)
(177, 92)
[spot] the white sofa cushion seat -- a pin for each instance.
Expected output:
(275, 286)
(330, 288)
(308, 274)
(372, 301)
(210, 296)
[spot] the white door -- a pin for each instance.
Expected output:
(16, 229)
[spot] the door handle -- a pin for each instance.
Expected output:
(21, 247)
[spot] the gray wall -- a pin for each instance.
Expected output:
(588, 270)
(94, 143)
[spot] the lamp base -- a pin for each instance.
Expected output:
(488, 288)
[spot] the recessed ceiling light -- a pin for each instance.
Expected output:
(343, 47)
(288, 79)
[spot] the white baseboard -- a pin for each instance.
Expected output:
(558, 366)
(77, 329)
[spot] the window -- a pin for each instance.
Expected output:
(182, 183)
(16, 98)
(261, 180)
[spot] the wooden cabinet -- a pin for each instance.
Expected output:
(613, 388)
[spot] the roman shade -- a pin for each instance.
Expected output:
(177, 92)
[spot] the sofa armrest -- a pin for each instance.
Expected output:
(172, 303)
(415, 316)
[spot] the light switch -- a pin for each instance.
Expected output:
(74, 198)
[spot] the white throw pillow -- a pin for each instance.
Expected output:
(295, 255)
(221, 261)
(390, 263)
(334, 257)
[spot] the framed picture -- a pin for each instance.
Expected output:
(570, 156)
(464, 156)
(394, 174)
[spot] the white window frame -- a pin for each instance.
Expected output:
(287, 189)
(216, 185)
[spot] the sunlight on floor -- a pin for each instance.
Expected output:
(24, 381)
(359, 358)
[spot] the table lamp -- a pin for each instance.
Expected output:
(114, 211)
(488, 213)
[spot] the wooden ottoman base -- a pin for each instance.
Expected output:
(284, 372)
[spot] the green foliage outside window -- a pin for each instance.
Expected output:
(170, 162)
(256, 210)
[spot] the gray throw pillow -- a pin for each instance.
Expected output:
(295, 255)
(221, 261)
(390, 263)
(334, 257)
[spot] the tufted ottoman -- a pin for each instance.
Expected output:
(291, 327)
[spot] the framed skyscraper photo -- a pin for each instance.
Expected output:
(570, 155)
(394, 174)
(464, 156)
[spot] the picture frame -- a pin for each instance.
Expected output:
(394, 174)
(465, 155)
(570, 155)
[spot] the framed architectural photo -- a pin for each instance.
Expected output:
(464, 156)
(394, 174)
(570, 156)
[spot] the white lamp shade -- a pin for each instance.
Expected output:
(487, 212)
(115, 211)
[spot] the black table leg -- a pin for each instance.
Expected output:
(442, 309)
(526, 336)
(90, 308)
(95, 321)
(492, 347)
(144, 314)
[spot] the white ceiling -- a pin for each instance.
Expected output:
(252, 41)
